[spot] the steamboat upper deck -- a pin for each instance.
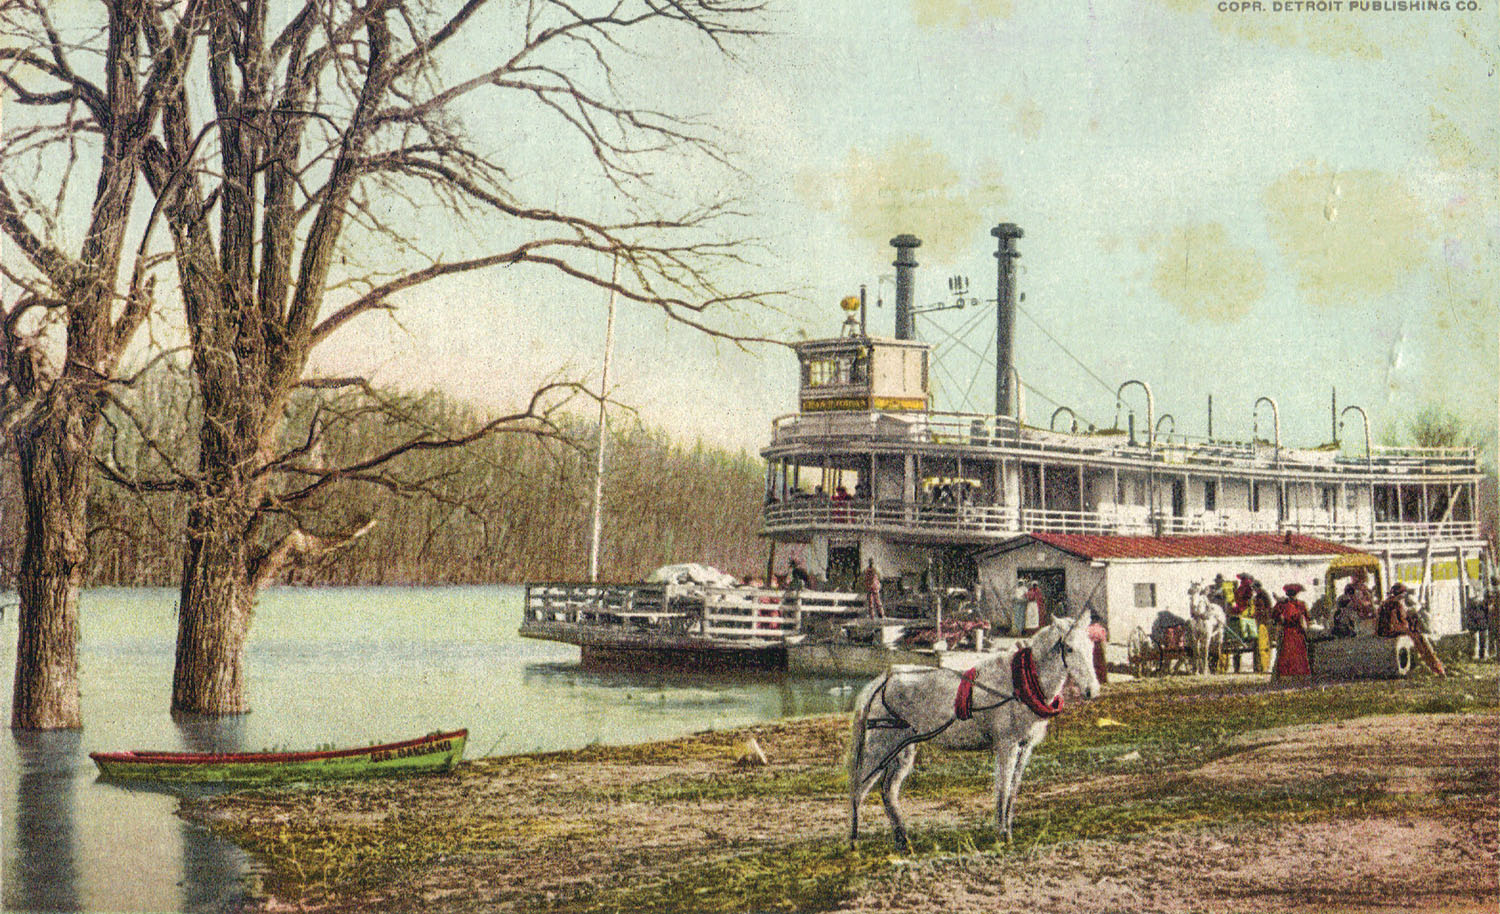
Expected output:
(956, 477)
(867, 457)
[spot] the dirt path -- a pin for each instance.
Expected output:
(524, 833)
(1442, 860)
(1364, 864)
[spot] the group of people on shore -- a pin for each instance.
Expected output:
(1253, 614)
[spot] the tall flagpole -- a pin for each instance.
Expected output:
(609, 345)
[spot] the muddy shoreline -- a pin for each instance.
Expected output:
(1219, 795)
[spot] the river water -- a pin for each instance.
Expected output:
(349, 666)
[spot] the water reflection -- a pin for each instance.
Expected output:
(776, 694)
(212, 869)
(202, 733)
(45, 877)
(420, 659)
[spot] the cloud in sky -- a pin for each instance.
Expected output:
(1347, 236)
(908, 186)
(1205, 276)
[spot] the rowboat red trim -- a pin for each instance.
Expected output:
(213, 758)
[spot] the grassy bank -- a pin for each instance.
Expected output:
(677, 826)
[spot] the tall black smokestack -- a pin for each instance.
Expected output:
(905, 263)
(1006, 234)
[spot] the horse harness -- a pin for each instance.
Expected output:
(1025, 688)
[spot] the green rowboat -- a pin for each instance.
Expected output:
(433, 752)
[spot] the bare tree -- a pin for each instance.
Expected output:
(74, 148)
(277, 163)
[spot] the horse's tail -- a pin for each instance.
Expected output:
(856, 759)
(862, 705)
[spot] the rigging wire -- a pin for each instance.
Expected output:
(955, 336)
(1030, 388)
(1089, 371)
(955, 340)
(975, 376)
(943, 370)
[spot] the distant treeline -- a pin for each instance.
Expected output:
(509, 507)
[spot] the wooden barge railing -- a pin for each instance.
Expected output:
(746, 616)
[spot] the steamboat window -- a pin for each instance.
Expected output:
(1437, 505)
(1385, 504)
(1327, 497)
(1254, 497)
(1145, 596)
(1411, 504)
(823, 372)
(1210, 495)
(1461, 505)
(1031, 485)
(1351, 497)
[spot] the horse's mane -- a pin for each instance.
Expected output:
(1059, 629)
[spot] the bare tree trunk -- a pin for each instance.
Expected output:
(54, 458)
(213, 613)
(300, 185)
(219, 581)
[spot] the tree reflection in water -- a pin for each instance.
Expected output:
(45, 876)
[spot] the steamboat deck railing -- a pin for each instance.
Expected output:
(745, 616)
(968, 430)
(996, 522)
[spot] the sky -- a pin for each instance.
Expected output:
(1226, 204)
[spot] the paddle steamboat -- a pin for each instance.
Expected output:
(963, 513)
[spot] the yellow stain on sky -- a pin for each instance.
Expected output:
(959, 13)
(909, 186)
(1028, 116)
(1321, 33)
(1464, 132)
(1347, 235)
(1457, 329)
(1206, 277)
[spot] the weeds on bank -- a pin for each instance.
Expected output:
(1165, 728)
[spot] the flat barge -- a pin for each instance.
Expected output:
(681, 627)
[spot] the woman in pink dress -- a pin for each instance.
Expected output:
(1291, 615)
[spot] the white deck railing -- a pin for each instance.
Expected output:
(974, 430)
(1390, 532)
(999, 522)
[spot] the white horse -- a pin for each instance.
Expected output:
(1005, 706)
(1206, 623)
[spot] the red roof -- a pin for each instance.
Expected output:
(1190, 547)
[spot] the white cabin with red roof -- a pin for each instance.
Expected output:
(1128, 580)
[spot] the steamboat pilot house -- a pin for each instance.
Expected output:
(1119, 519)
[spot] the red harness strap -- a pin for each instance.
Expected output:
(963, 702)
(1028, 689)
